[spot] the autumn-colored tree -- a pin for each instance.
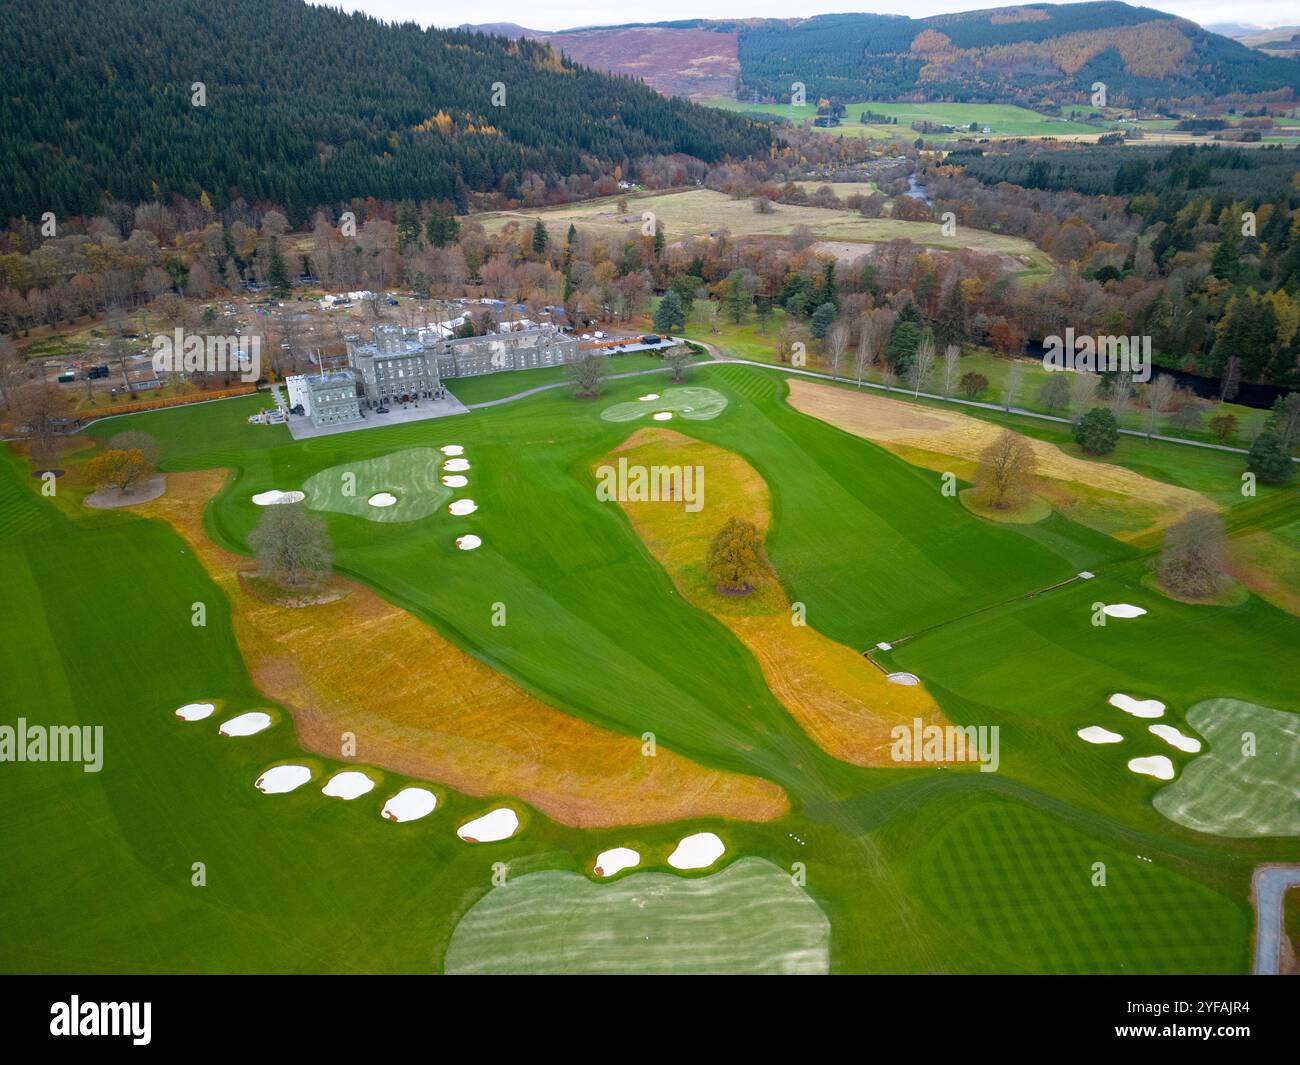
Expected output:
(121, 469)
(1005, 472)
(737, 562)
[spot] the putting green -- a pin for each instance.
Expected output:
(1246, 783)
(693, 404)
(413, 477)
(749, 918)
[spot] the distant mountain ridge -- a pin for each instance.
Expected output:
(1024, 54)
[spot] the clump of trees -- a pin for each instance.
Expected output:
(292, 547)
(972, 385)
(737, 562)
(1191, 563)
(1097, 432)
(1005, 474)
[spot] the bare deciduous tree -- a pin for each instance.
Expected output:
(1159, 392)
(918, 374)
(951, 369)
(1006, 471)
(1191, 560)
(1083, 386)
(837, 341)
(292, 546)
(1011, 385)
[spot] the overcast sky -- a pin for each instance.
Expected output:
(563, 14)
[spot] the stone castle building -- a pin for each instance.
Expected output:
(402, 366)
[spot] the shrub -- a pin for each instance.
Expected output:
(972, 385)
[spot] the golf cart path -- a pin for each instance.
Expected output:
(1268, 886)
(716, 356)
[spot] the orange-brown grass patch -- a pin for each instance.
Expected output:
(1103, 496)
(839, 698)
(421, 706)
(1269, 565)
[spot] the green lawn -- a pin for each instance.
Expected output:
(99, 631)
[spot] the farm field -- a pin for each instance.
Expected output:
(1002, 120)
(911, 868)
(698, 212)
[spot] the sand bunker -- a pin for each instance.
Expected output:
(275, 497)
(616, 860)
(347, 785)
(1122, 610)
(1175, 738)
(455, 480)
(1154, 765)
(246, 724)
(499, 824)
(410, 804)
(1137, 707)
(909, 679)
(456, 465)
(468, 542)
(461, 507)
(697, 852)
(195, 711)
(346, 666)
(382, 499)
(694, 404)
(648, 397)
(452, 449)
(281, 778)
(1097, 734)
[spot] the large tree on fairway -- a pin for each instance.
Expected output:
(1191, 557)
(1005, 472)
(736, 562)
(292, 546)
(587, 375)
(120, 469)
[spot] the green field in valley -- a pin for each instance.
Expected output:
(1001, 120)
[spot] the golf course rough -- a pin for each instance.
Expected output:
(693, 404)
(404, 486)
(1234, 790)
(749, 918)
(845, 705)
